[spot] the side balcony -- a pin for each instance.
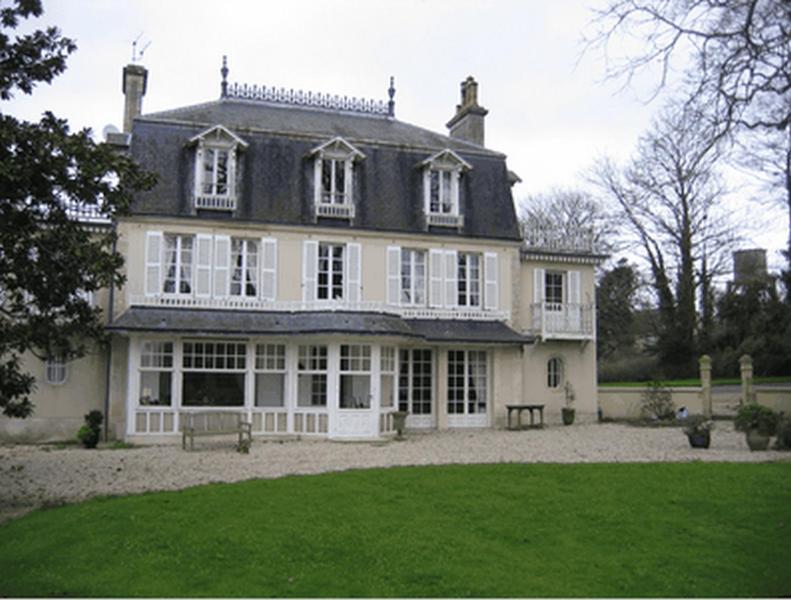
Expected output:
(556, 321)
(241, 303)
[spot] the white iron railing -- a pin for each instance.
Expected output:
(554, 240)
(337, 211)
(241, 303)
(440, 220)
(214, 202)
(563, 321)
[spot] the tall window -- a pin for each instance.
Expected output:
(387, 376)
(214, 373)
(554, 372)
(442, 199)
(178, 264)
(244, 259)
(55, 372)
(330, 272)
(334, 189)
(270, 375)
(156, 373)
(414, 381)
(312, 376)
(469, 279)
(467, 382)
(355, 377)
(553, 290)
(214, 180)
(413, 276)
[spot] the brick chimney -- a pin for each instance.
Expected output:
(467, 123)
(134, 88)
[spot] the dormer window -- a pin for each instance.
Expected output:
(334, 178)
(441, 174)
(216, 154)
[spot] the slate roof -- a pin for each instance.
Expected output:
(275, 173)
(226, 322)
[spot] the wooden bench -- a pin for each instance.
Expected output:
(214, 423)
(530, 408)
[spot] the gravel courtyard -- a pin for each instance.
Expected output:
(45, 475)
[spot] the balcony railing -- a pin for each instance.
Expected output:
(215, 202)
(552, 320)
(335, 211)
(440, 220)
(554, 240)
(239, 303)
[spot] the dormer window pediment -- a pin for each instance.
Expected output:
(441, 173)
(215, 168)
(334, 178)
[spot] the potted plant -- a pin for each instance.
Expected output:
(698, 429)
(90, 432)
(758, 422)
(568, 410)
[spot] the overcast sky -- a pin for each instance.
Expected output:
(549, 111)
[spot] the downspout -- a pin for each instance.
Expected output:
(108, 366)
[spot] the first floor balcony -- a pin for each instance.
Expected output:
(559, 321)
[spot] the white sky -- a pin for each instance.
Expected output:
(550, 114)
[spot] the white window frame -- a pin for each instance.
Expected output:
(217, 140)
(388, 367)
(178, 280)
(239, 366)
(556, 373)
(216, 152)
(155, 353)
(244, 253)
(560, 276)
(270, 359)
(331, 271)
(56, 370)
(467, 297)
(406, 357)
(444, 165)
(312, 367)
(338, 154)
(469, 358)
(410, 288)
(355, 360)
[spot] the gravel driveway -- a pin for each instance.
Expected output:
(34, 476)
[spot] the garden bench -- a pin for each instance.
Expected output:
(214, 423)
(531, 408)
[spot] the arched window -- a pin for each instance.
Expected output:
(554, 372)
(56, 370)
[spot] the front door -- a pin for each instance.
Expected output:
(415, 387)
(356, 401)
(468, 388)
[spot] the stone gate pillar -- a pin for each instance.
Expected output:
(705, 384)
(748, 393)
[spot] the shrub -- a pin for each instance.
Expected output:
(783, 441)
(90, 432)
(697, 425)
(657, 402)
(756, 416)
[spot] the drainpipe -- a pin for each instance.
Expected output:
(108, 367)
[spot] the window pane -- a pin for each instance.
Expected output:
(326, 180)
(270, 389)
(447, 204)
(155, 388)
(340, 182)
(213, 389)
(387, 390)
(312, 390)
(355, 391)
(434, 205)
(208, 171)
(222, 172)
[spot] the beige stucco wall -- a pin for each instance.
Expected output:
(289, 254)
(625, 402)
(507, 376)
(776, 398)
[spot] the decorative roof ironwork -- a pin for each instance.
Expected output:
(262, 93)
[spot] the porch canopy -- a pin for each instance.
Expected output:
(248, 322)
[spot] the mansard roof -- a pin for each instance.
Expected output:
(275, 173)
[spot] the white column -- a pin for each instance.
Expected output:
(441, 387)
(132, 383)
(376, 388)
(176, 385)
(249, 381)
(333, 376)
(290, 401)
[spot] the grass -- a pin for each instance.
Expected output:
(690, 529)
(696, 382)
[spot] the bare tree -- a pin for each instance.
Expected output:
(670, 199)
(740, 53)
(566, 219)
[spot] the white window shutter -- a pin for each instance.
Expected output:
(436, 296)
(310, 259)
(154, 249)
(354, 290)
(539, 281)
(222, 265)
(203, 244)
(491, 290)
(269, 269)
(393, 275)
(451, 278)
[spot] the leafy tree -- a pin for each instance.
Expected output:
(615, 299)
(48, 258)
(670, 199)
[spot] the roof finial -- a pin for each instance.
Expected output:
(391, 102)
(224, 73)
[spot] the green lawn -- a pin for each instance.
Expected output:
(690, 529)
(773, 379)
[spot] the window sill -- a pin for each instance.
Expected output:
(443, 220)
(335, 211)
